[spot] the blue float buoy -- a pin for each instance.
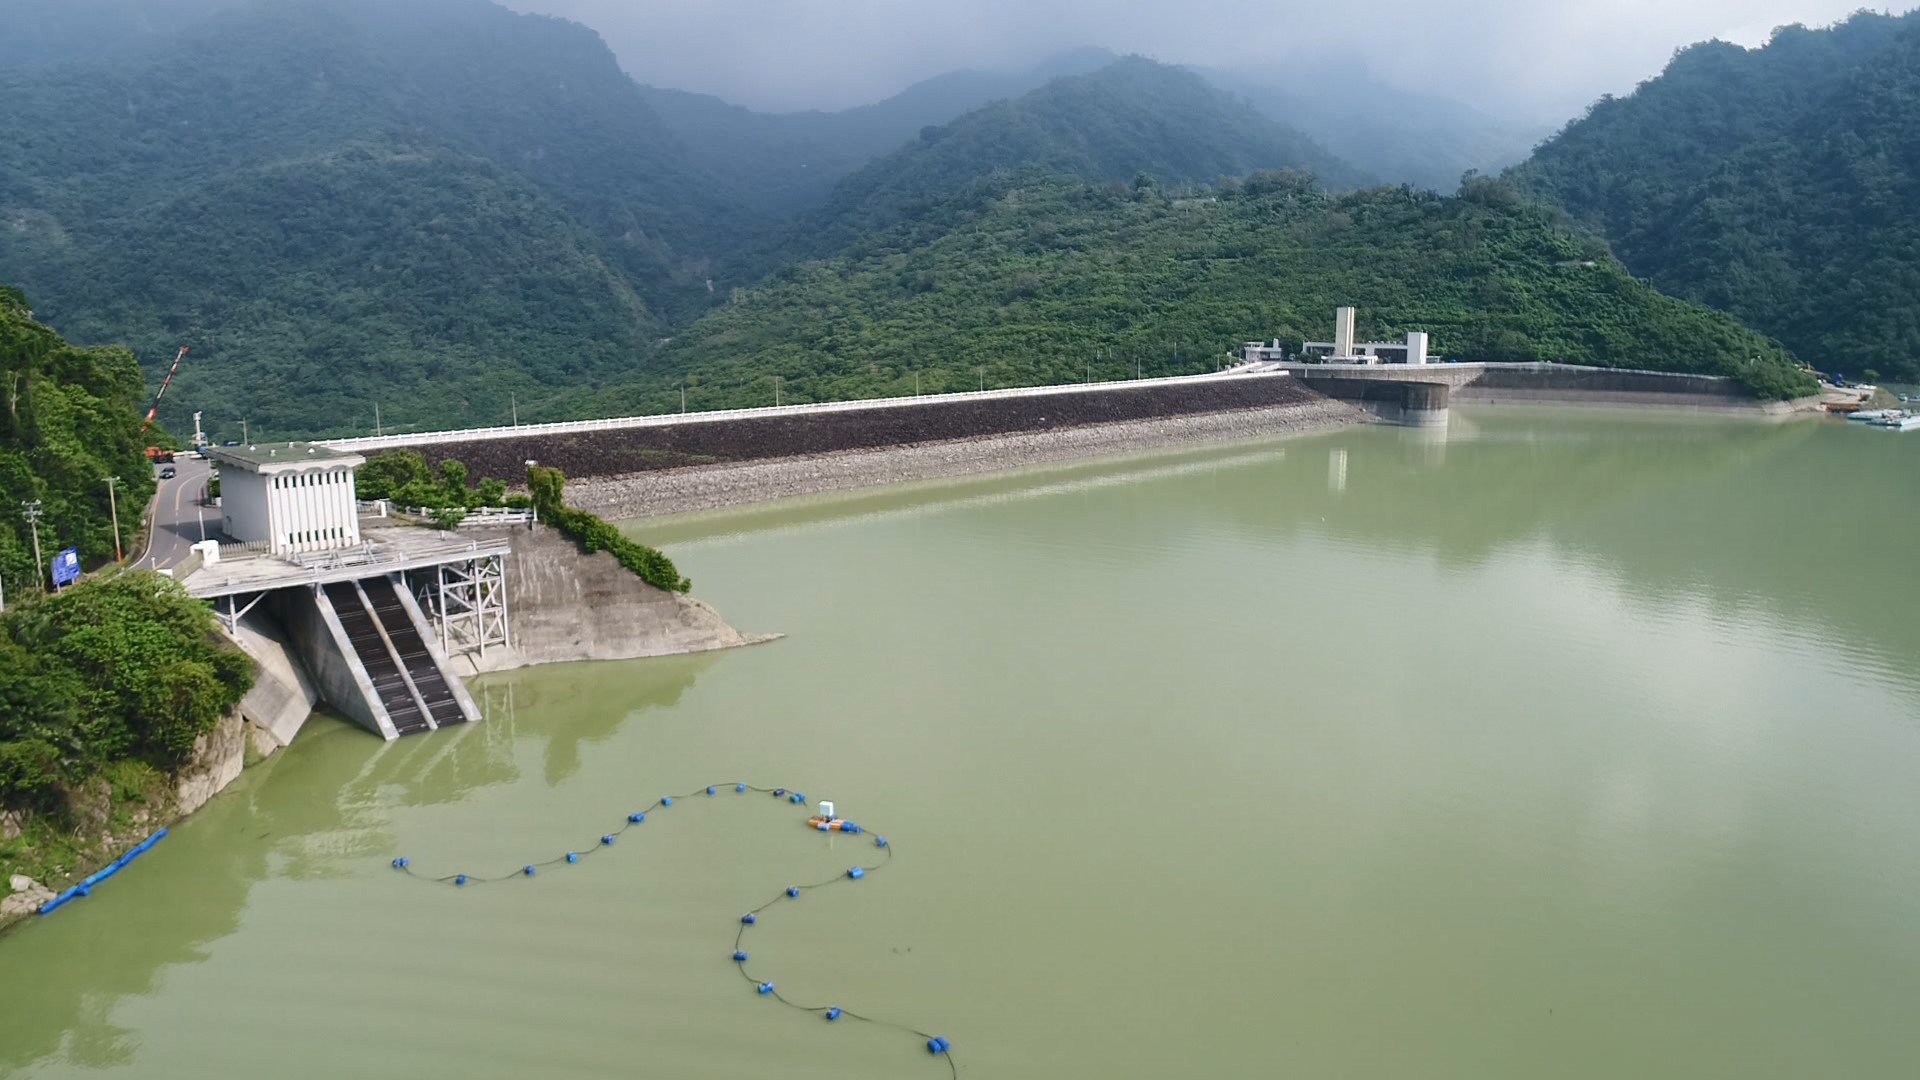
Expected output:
(793, 890)
(857, 873)
(459, 879)
(571, 857)
(709, 789)
(938, 1045)
(607, 839)
(739, 787)
(749, 918)
(666, 800)
(636, 817)
(401, 862)
(739, 957)
(879, 841)
(824, 827)
(527, 870)
(779, 792)
(849, 827)
(766, 988)
(833, 1013)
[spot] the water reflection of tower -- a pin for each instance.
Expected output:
(1337, 470)
(1429, 442)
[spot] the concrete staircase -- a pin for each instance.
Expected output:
(412, 689)
(368, 640)
(422, 665)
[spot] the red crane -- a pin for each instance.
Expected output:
(164, 383)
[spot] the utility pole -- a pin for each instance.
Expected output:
(376, 423)
(113, 505)
(983, 379)
(514, 399)
(31, 511)
(244, 441)
(776, 391)
(916, 382)
(683, 397)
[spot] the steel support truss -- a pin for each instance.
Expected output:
(467, 601)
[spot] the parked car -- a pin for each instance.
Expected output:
(166, 472)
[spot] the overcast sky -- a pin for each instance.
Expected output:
(1537, 60)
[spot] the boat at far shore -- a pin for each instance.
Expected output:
(1899, 421)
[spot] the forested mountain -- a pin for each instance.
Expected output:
(1129, 118)
(1037, 281)
(1781, 184)
(342, 201)
(789, 162)
(46, 33)
(1398, 136)
(444, 210)
(69, 418)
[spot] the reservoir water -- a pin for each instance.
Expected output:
(1561, 744)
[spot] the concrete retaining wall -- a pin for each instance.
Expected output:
(321, 643)
(767, 434)
(566, 605)
(282, 696)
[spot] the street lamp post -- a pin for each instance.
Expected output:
(31, 511)
(113, 507)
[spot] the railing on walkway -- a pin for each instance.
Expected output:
(426, 438)
(482, 515)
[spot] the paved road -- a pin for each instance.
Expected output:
(179, 521)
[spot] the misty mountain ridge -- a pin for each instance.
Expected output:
(789, 162)
(1396, 135)
(1126, 119)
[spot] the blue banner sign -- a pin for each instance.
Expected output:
(66, 568)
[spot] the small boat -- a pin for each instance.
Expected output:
(1899, 421)
(1870, 416)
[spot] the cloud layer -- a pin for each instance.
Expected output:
(1530, 60)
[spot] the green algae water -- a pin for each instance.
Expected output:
(1561, 744)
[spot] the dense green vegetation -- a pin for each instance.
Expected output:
(433, 206)
(41, 34)
(404, 478)
(69, 418)
(1780, 184)
(593, 534)
(1044, 281)
(121, 666)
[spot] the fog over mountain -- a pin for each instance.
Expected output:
(1533, 62)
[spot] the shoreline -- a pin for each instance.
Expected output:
(695, 488)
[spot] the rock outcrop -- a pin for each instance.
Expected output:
(26, 898)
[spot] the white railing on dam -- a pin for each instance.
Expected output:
(569, 427)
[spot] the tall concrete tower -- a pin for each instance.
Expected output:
(1343, 333)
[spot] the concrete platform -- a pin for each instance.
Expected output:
(384, 551)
